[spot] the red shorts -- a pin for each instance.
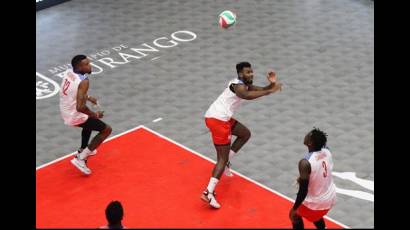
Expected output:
(311, 215)
(220, 130)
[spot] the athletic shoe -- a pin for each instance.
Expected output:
(90, 154)
(210, 198)
(228, 170)
(81, 165)
(93, 153)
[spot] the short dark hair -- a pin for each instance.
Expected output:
(241, 65)
(77, 60)
(114, 212)
(318, 138)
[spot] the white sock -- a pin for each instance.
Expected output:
(84, 153)
(231, 154)
(212, 183)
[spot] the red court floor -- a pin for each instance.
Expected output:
(159, 184)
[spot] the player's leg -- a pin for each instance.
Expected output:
(208, 195)
(221, 136)
(297, 222)
(85, 138)
(320, 224)
(315, 216)
(243, 134)
(222, 152)
(80, 159)
(104, 131)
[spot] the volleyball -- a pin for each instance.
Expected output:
(227, 19)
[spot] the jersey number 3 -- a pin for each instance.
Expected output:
(65, 86)
(325, 167)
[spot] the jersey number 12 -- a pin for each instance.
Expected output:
(65, 86)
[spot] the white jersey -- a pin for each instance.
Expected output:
(68, 99)
(226, 104)
(321, 190)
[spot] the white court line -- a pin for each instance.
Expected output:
(152, 59)
(240, 174)
(351, 176)
(70, 154)
(196, 153)
(158, 119)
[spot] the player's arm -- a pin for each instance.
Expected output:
(92, 99)
(82, 99)
(242, 92)
(272, 80)
(259, 88)
(303, 180)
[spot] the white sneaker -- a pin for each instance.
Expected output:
(210, 198)
(80, 164)
(228, 170)
(90, 154)
(93, 153)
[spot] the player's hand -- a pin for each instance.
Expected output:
(296, 182)
(100, 114)
(92, 100)
(276, 87)
(271, 76)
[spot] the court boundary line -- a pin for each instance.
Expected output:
(195, 153)
(238, 173)
(70, 154)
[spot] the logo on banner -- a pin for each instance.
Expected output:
(45, 87)
(113, 58)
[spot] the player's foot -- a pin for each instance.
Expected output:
(93, 153)
(210, 198)
(228, 170)
(81, 165)
(90, 154)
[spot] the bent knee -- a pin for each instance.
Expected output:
(247, 134)
(107, 129)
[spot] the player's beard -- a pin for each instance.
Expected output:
(248, 82)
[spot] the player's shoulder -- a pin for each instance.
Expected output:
(236, 81)
(69, 74)
(304, 161)
(304, 165)
(82, 77)
(72, 76)
(327, 150)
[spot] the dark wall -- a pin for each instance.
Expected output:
(42, 4)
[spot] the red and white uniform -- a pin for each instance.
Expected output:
(68, 99)
(226, 104)
(218, 117)
(321, 190)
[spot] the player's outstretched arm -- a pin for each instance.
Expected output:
(271, 76)
(242, 92)
(260, 88)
